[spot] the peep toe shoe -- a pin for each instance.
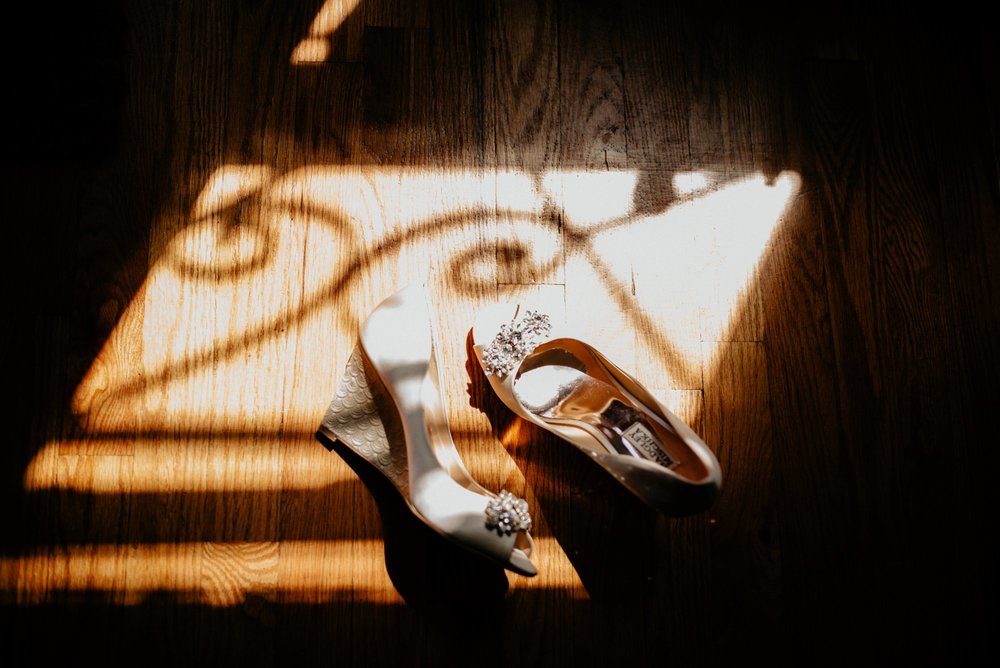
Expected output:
(422, 462)
(557, 381)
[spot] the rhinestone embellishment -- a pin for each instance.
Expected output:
(515, 342)
(507, 513)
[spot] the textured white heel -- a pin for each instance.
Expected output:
(567, 387)
(426, 469)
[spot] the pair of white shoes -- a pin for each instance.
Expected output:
(545, 376)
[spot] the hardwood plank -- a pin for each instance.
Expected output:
(805, 418)
(451, 90)
(718, 113)
(657, 98)
(991, 75)
(396, 13)
(907, 241)
(959, 259)
(522, 108)
(328, 124)
(524, 84)
(682, 602)
(385, 91)
(588, 190)
(668, 322)
(839, 131)
(744, 543)
(592, 89)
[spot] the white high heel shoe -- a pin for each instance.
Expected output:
(567, 387)
(427, 469)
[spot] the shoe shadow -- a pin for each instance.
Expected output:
(427, 570)
(431, 573)
(609, 536)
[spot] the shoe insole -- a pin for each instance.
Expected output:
(562, 394)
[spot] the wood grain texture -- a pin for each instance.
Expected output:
(745, 543)
(961, 249)
(523, 107)
(782, 220)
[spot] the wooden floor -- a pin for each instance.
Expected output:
(782, 219)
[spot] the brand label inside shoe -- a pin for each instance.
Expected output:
(645, 442)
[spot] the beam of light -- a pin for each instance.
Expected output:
(219, 236)
(228, 298)
(178, 465)
(315, 47)
(246, 317)
(227, 185)
(744, 218)
(248, 313)
(226, 574)
(587, 198)
(686, 183)
(675, 278)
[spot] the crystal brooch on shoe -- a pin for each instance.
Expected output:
(514, 342)
(507, 513)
